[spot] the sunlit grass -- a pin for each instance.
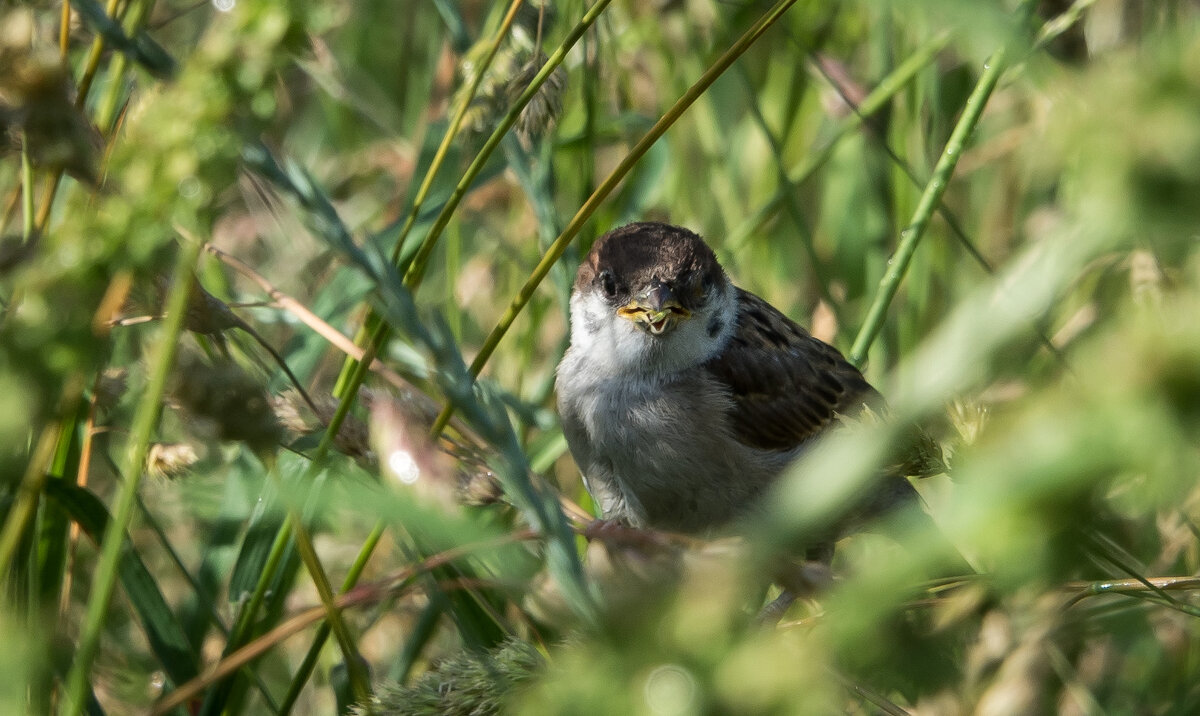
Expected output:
(995, 213)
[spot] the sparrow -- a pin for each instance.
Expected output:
(683, 397)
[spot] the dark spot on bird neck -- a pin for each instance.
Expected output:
(714, 326)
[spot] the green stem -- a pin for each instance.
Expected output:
(242, 629)
(244, 624)
(95, 53)
(416, 269)
(141, 431)
(28, 495)
(359, 681)
(135, 20)
(26, 192)
(199, 592)
(876, 100)
(310, 660)
(928, 203)
(452, 130)
(608, 185)
(107, 109)
(371, 325)
(788, 192)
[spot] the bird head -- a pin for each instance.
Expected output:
(653, 296)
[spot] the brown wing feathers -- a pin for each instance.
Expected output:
(786, 385)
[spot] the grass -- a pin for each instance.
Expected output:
(989, 206)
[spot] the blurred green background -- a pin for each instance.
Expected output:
(178, 520)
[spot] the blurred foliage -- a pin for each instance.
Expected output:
(1045, 332)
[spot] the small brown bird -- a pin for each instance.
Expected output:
(682, 396)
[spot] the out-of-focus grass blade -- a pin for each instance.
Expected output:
(54, 523)
(163, 631)
(319, 212)
(91, 704)
(486, 414)
(641, 191)
(264, 525)
(395, 304)
(460, 39)
(545, 451)
(483, 412)
(141, 48)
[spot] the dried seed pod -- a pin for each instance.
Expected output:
(477, 484)
(111, 386)
(170, 460)
(15, 250)
(297, 417)
(293, 415)
(226, 403)
(206, 314)
(508, 77)
(542, 113)
(36, 99)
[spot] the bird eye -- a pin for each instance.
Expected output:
(608, 283)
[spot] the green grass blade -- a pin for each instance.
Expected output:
(415, 271)
(930, 198)
(278, 572)
(132, 467)
(165, 634)
(141, 47)
(874, 102)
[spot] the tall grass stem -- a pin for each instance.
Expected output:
(555, 252)
(132, 468)
(931, 197)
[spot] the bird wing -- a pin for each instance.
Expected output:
(786, 386)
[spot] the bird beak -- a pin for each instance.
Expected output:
(655, 310)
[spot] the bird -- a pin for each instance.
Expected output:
(683, 397)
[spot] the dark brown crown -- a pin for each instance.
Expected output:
(636, 255)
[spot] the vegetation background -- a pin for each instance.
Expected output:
(993, 206)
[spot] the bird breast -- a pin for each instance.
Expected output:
(658, 452)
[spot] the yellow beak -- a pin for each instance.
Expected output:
(655, 310)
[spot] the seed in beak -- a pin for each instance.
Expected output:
(655, 322)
